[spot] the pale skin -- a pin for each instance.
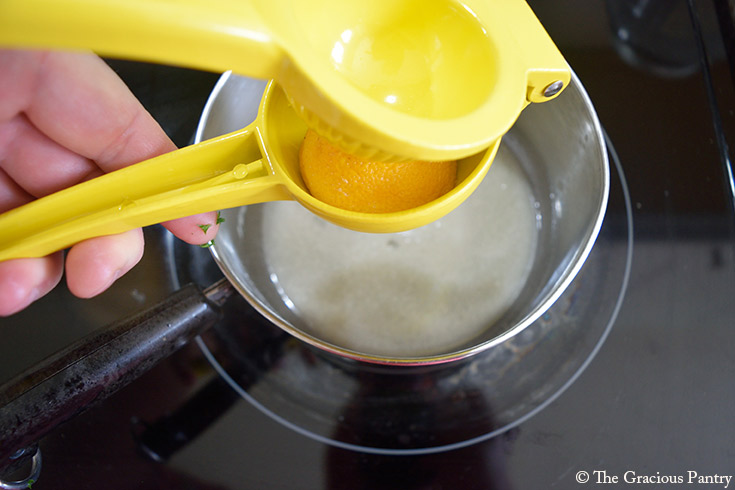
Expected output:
(66, 118)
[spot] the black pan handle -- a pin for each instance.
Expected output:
(90, 370)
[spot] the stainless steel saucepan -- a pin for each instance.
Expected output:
(560, 151)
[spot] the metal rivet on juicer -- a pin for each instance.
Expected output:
(553, 88)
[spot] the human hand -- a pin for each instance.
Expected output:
(66, 118)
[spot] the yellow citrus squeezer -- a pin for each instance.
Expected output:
(385, 79)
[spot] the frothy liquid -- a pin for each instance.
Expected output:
(413, 293)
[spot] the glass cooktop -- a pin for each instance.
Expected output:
(651, 396)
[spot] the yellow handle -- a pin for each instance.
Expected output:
(214, 35)
(523, 41)
(547, 71)
(223, 172)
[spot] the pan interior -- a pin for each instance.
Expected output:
(561, 183)
(423, 292)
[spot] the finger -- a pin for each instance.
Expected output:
(16, 84)
(38, 164)
(82, 104)
(197, 230)
(11, 194)
(22, 281)
(94, 265)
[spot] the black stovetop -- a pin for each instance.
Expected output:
(655, 404)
